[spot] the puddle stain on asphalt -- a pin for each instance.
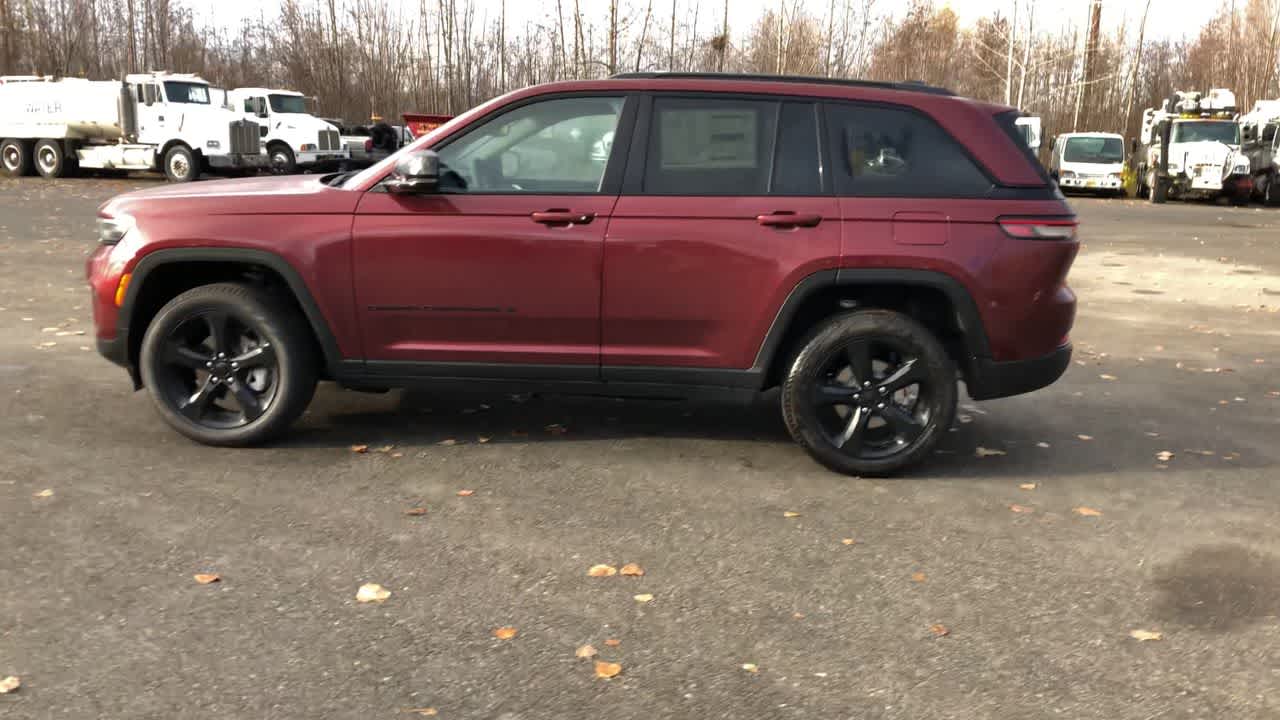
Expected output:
(1218, 587)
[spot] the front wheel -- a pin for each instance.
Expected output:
(283, 161)
(180, 164)
(229, 364)
(870, 393)
(1270, 192)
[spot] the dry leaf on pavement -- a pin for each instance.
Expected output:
(918, 577)
(206, 578)
(1164, 456)
(416, 511)
(613, 642)
(10, 684)
(631, 570)
(988, 452)
(602, 571)
(750, 667)
(1043, 445)
(1086, 438)
(1027, 486)
(483, 439)
(1021, 508)
(586, 651)
(939, 630)
(644, 598)
(447, 442)
(43, 493)
(607, 669)
(1104, 376)
(505, 633)
(466, 493)
(1144, 635)
(361, 449)
(372, 592)
(1086, 511)
(427, 711)
(790, 514)
(848, 541)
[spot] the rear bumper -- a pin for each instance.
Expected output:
(990, 379)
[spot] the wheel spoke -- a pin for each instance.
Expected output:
(219, 331)
(850, 440)
(263, 356)
(858, 353)
(195, 406)
(907, 374)
(247, 399)
(182, 356)
(833, 394)
(903, 423)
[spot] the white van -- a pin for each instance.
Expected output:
(1091, 162)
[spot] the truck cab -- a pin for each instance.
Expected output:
(1088, 162)
(294, 139)
(1260, 142)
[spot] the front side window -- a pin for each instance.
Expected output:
(553, 146)
(711, 146)
(288, 104)
(882, 151)
(186, 92)
(1094, 150)
(1222, 131)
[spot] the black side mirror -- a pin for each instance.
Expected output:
(1133, 145)
(415, 173)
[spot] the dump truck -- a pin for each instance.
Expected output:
(1190, 148)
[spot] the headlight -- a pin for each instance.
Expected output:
(1067, 174)
(112, 230)
(213, 144)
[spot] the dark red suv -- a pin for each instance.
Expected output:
(862, 245)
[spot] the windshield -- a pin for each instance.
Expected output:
(1223, 131)
(186, 92)
(288, 104)
(1097, 150)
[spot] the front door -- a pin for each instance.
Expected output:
(151, 113)
(498, 273)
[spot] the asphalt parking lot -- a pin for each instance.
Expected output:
(1037, 564)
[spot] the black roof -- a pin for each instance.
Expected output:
(910, 86)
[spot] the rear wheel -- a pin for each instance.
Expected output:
(229, 364)
(15, 156)
(50, 162)
(1270, 192)
(870, 393)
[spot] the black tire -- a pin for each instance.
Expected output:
(1159, 191)
(242, 384)
(836, 368)
(49, 159)
(1270, 191)
(180, 164)
(15, 156)
(282, 159)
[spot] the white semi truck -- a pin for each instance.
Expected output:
(1260, 142)
(149, 121)
(1191, 149)
(294, 138)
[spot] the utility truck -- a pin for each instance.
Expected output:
(1260, 142)
(1190, 148)
(148, 121)
(294, 138)
(1089, 162)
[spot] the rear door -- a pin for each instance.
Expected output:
(724, 209)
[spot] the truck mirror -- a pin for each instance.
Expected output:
(1133, 145)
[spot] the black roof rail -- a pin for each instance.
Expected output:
(909, 86)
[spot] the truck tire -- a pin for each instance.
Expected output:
(1159, 191)
(870, 393)
(49, 159)
(180, 164)
(282, 159)
(1270, 192)
(15, 156)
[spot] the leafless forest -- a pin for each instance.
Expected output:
(363, 56)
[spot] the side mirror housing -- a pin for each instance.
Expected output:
(415, 173)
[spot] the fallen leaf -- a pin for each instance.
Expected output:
(586, 651)
(607, 669)
(1164, 456)
(1086, 511)
(918, 577)
(613, 642)
(372, 592)
(602, 571)
(1021, 508)
(427, 711)
(790, 514)
(466, 493)
(43, 493)
(1027, 486)
(798, 616)
(848, 541)
(206, 578)
(644, 598)
(1104, 376)
(505, 633)
(397, 455)
(448, 442)
(1202, 453)
(820, 674)
(1151, 434)
(631, 570)
(939, 630)
(988, 452)
(361, 449)
(10, 684)
(1086, 438)
(1043, 445)
(483, 439)
(386, 449)
(416, 511)
(750, 667)
(1144, 635)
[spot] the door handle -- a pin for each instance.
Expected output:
(787, 219)
(562, 217)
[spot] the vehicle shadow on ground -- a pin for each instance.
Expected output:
(409, 418)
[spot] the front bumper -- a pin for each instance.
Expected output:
(989, 379)
(321, 157)
(1092, 183)
(258, 160)
(116, 350)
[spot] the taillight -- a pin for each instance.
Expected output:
(1039, 228)
(368, 145)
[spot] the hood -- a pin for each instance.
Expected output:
(298, 121)
(266, 195)
(1205, 152)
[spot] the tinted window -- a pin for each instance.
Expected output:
(888, 152)
(554, 146)
(797, 169)
(288, 104)
(1094, 150)
(711, 146)
(186, 92)
(1223, 131)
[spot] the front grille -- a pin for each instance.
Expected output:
(328, 140)
(244, 137)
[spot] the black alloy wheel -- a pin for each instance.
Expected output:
(218, 371)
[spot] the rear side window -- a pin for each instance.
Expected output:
(710, 146)
(882, 151)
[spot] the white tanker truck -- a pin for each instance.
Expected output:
(150, 121)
